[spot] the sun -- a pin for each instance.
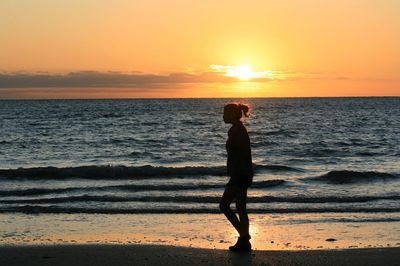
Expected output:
(242, 72)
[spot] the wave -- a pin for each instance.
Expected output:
(277, 167)
(274, 132)
(368, 154)
(110, 172)
(201, 199)
(34, 209)
(346, 177)
(46, 191)
(125, 172)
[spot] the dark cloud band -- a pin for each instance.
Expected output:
(105, 79)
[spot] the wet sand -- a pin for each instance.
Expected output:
(209, 231)
(169, 255)
(156, 239)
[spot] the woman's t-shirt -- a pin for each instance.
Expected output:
(239, 164)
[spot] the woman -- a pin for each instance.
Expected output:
(240, 170)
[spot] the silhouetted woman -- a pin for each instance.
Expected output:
(240, 170)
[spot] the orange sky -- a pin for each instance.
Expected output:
(121, 48)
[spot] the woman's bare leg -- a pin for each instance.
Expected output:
(226, 200)
(241, 199)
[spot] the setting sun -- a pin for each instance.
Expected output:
(243, 72)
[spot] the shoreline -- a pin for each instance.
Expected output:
(93, 254)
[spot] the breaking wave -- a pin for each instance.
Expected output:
(346, 177)
(124, 172)
(130, 187)
(201, 199)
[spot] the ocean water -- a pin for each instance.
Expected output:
(310, 155)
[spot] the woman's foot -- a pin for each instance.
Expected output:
(242, 244)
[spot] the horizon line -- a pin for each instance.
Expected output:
(187, 98)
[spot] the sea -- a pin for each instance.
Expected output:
(138, 156)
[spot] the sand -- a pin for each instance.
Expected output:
(169, 255)
(156, 239)
(210, 231)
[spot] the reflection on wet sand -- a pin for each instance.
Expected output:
(269, 232)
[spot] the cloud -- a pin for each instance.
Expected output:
(95, 79)
(105, 79)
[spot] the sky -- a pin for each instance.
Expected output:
(180, 48)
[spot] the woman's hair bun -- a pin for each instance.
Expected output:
(244, 108)
(237, 109)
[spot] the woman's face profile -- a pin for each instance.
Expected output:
(228, 118)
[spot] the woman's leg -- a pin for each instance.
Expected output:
(226, 200)
(241, 199)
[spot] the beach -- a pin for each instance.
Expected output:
(197, 239)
